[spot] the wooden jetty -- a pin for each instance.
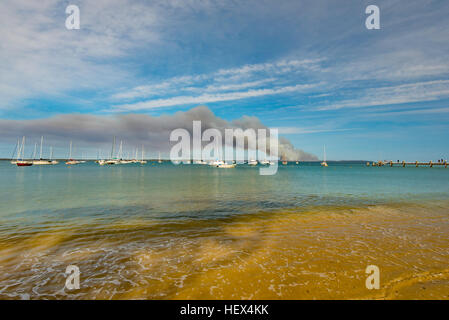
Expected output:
(429, 164)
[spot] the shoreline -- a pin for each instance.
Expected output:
(318, 253)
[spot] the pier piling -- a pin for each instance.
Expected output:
(403, 164)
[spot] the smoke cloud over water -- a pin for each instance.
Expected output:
(94, 131)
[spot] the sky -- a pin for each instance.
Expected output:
(309, 68)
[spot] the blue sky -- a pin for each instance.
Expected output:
(309, 68)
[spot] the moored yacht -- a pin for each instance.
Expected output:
(227, 165)
(324, 163)
(71, 161)
(252, 162)
(216, 163)
(141, 158)
(20, 162)
(42, 161)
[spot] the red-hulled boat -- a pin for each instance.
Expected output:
(20, 152)
(24, 163)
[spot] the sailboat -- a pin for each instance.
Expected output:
(252, 162)
(120, 155)
(200, 162)
(51, 157)
(134, 160)
(227, 165)
(113, 159)
(70, 161)
(41, 161)
(141, 158)
(100, 161)
(16, 149)
(20, 154)
(324, 163)
(159, 161)
(217, 163)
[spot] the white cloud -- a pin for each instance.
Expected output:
(300, 130)
(207, 98)
(221, 80)
(399, 94)
(421, 111)
(40, 57)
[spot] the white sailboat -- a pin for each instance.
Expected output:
(216, 163)
(141, 158)
(120, 155)
(252, 162)
(134, 160)
(113, 159)
(99, 160)
(51, 157)
(159, 161)
(324, 163)
(16, 149)
(227, 165)
(41, 161)
(200, 161)
(71, 161)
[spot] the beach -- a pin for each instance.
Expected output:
(161, 231)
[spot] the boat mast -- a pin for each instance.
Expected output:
(51, 153)
(120, 150)
(34, 152)
(70, 153)
(23, 148)
(19, 152)
(42, 140)
(324, 153)
(113, 147)
(16, 149)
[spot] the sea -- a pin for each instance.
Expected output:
(166, 231)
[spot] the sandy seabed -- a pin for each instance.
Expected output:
(314, 253)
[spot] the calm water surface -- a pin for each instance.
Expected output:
(192, 231)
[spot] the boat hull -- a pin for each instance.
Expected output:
(42, 162)
(24, 164)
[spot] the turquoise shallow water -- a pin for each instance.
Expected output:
(153, 231)
(88, 191)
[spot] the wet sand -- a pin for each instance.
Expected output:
(312, 253)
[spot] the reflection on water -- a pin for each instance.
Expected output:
(194, 232)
